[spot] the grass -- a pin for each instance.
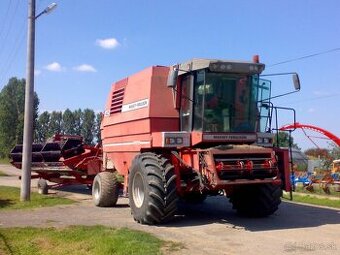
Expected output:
(2, 174)
(9, 200)
(319, 191)
(82, 240)
(4, 161)
(309, 199)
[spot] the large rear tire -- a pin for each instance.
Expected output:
(152, 189)
(105, 189)
(256, 200)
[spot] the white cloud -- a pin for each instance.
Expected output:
(37, 72)
(85, 68)
(311, 110)
(54, 67)
(109, 43)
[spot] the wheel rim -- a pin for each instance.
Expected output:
(138, 190)
(96, 190)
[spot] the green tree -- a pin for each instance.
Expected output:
(317, 153)
(282, 140)
(55, 125)
(12, 104)
(99, 117)
(88, 126)
(43, 125)
(69, 123)
(78, 120)
(333, 153)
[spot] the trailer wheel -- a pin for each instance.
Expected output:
(152, 189)
(42, 186)
(105, 189)
(256, 200)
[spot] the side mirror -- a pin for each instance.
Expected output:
(296, 81)
(172, 77)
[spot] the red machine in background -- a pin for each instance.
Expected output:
(63, 159)
(324, 178)
(184, 132)
(322, 131)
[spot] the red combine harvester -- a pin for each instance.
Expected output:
(185, 132)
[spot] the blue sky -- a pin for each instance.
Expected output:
(84, 46)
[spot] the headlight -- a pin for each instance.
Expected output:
(259, 140)
(176, 141)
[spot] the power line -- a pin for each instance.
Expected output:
(10, 26)
(8, 61)
(314, 98)
(304, 57)
(12, 56)
(6, 18)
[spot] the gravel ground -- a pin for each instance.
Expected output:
(209, 228)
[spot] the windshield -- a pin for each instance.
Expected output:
(223, 103)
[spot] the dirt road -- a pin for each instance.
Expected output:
(210, 228)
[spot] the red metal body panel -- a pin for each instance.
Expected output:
(284, 167)
(141, 112)
(80, 162)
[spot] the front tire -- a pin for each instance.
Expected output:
(105, 189)
(256, 200)
(152, 189)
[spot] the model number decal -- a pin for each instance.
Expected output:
(107, 113)
(229, 137)
(135, 105)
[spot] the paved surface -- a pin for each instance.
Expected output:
(210, 228)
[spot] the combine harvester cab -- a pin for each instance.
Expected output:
(63, 159)
(185, 132)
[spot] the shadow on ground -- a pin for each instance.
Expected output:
(79, 189)
(219, 210)
(5, 203)
(83, 190)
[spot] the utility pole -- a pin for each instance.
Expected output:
(29, 100)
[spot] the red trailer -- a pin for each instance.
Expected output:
(63, 160)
